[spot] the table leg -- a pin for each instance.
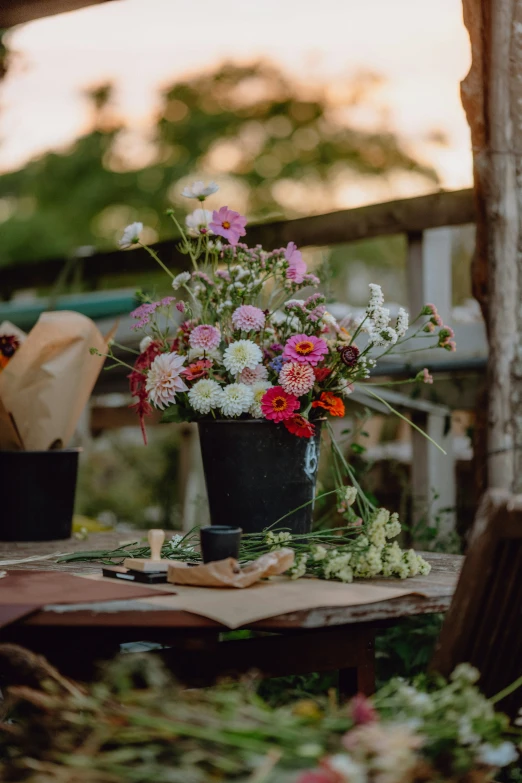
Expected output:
(360, 678)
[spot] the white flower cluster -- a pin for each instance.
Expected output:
(470, 724)
(370, 554)
(377, 322)
(299, 567)
(277, 540)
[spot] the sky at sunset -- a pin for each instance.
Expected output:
(419, 46)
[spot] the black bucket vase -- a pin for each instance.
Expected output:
(256, 472)
(38, 494)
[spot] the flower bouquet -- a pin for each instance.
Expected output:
(247, 348)
(136, 725)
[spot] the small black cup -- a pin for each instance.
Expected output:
(219, 542)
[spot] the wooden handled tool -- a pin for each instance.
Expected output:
(155, 563)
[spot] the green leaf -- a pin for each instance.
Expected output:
(357, 449)
(176, 414)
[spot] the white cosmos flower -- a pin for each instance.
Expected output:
(205, 395)
(144, 344)
(131, 235)
(258, 390)
(235, 399)
(180, 280)
(242, 354)
(199, 190)
(163, 379)
(197, 220)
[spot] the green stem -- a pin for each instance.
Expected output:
(405, 418)
(507, 691)
(155, 256)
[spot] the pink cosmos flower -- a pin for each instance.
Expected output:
(278, 405)
(297, 378)
(228, 224)
(248, 318)
(205, 336)
(296, 266)
(305, 348)
(249, 377)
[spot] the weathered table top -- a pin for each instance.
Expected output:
(438, 589)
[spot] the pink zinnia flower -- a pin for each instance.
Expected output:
(305, 348)
(296, 266)
(205, 336)
(297, 378)
(249, 377)
(228, 224)
(248, 318)
(278, 405)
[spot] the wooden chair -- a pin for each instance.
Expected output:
(484, 623)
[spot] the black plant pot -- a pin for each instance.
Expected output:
(38, 489)
(256, 472)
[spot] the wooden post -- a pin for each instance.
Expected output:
(492, 98)
(432, 473)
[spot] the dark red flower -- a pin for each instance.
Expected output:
(349, 355)
(321, 373)
(299, 426)
(8, 345)
(137, 381)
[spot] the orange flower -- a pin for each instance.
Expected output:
(330, 403)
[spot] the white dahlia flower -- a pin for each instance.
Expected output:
(240, 355)
(235, 399)
(258, 390)
(205, 395)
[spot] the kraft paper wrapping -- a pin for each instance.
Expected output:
(277, 596)
(47, 383)
(227, 573)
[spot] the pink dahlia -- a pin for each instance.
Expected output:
(248, 318)
(278, 405)
(228, 224)
(297, 378)
(305, 348)
(296, 266)
(249, 377)
(205, 336)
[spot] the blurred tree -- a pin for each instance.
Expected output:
(252, 125)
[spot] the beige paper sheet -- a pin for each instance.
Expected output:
(48, 381)
(277, 596)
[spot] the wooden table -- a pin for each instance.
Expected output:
(75, 636)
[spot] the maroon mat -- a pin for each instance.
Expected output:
(24, 592)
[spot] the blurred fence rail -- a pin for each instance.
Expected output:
(407, 216)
